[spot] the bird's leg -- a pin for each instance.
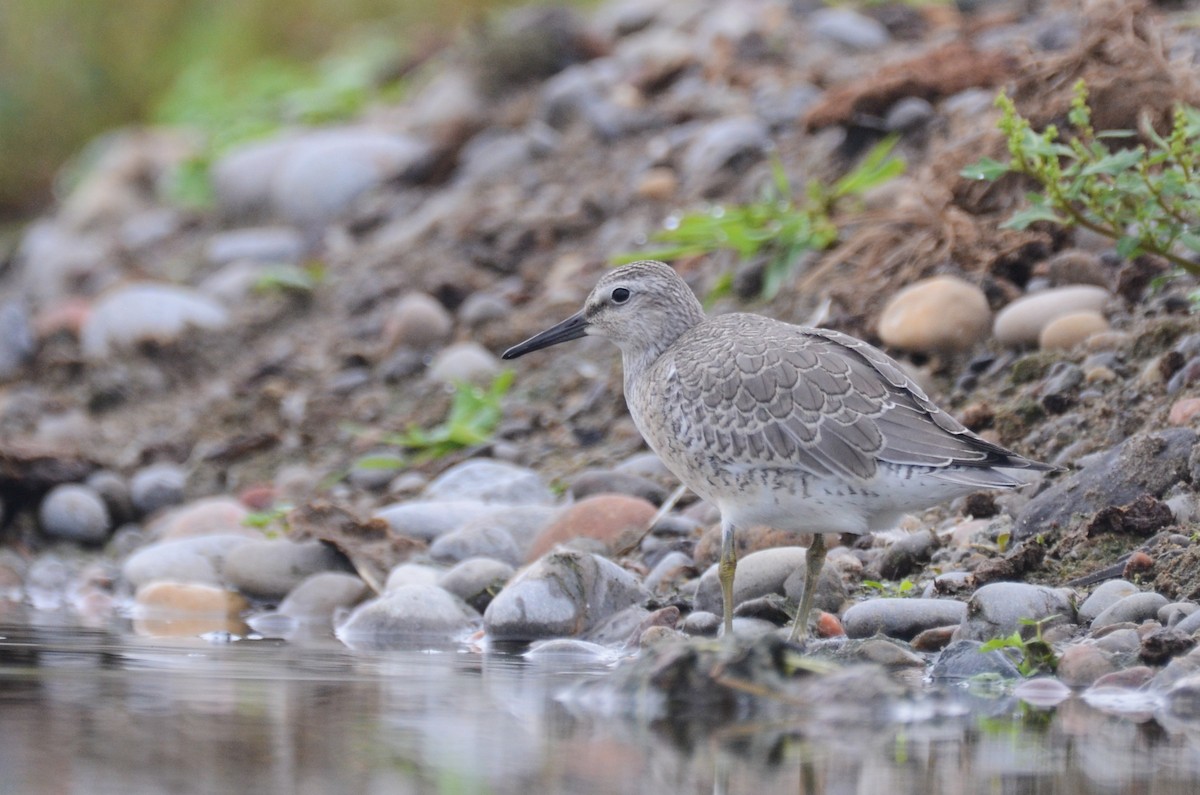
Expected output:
(814, 561)
(725, 573)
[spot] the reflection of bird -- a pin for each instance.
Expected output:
(797, 428)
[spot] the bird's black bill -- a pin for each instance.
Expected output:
(572, 328)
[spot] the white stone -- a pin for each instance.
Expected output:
(1022, 321)
(141, 313)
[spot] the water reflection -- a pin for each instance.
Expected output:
(86, 711)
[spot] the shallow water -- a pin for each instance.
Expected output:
(88, 711)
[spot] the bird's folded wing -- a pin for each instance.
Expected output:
(771, 395)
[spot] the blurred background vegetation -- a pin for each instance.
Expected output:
(71, 69)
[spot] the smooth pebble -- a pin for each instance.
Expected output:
(940, 314)
(1068, 331)
(1022, 321)
(157, 486)
(74, 513)
(561, 595)
(147, 313)
(412, 615)
(466, 362)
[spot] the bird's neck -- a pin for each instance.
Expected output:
(636, 359)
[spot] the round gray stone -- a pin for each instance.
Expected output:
(493, 155)
(271, 568)
(428, 519)
(412, 573)
(849, 28)
(1135, 608)
(646, 465)
(901, 618)
(1177, 669)
(1105, 596)
(74, 513)
(53, 258)
(147, 312)
(1170, 615)
(996, 609)
(410, 615)
(484, 307)
(242, 176)
(191, 560)
(725, 143)
(477, 581)
(1190, 624)
(907, 554)
(907, 114)
(670, 569)
(1148, 463)
(770, 571)
(1082, 664)
(16, 338)
(418, 321)
(1120, 641)
(623, 626)
(486, 480)
(478, 540)
(269, 244)
(506, 533)
(962, 659)
(114, 490)
(157, 486)
(324, 171)
(701, 623)
(564, 593)
(609, 481)
(319, 596)
(466, 361)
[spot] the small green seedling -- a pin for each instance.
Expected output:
(270, 521)
(1035, 655)
(381, 461)
(474, 414)
(778, 225)
(300, 281)
(1146, 199)
(901, 588)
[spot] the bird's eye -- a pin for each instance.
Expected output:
(620, 295)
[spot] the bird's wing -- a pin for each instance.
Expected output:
(755, 393)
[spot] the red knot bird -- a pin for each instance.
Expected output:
(796, 428)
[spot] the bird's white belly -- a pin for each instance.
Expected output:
(785, 501)
(817, 512)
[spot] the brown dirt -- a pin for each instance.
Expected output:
(932, 75)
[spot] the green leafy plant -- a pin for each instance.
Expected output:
(1146, 199)
(902, 588)
(377, 461)
(1032, 656)
(778, 226)
(474, 414)
(291, 278)
(269, 521)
